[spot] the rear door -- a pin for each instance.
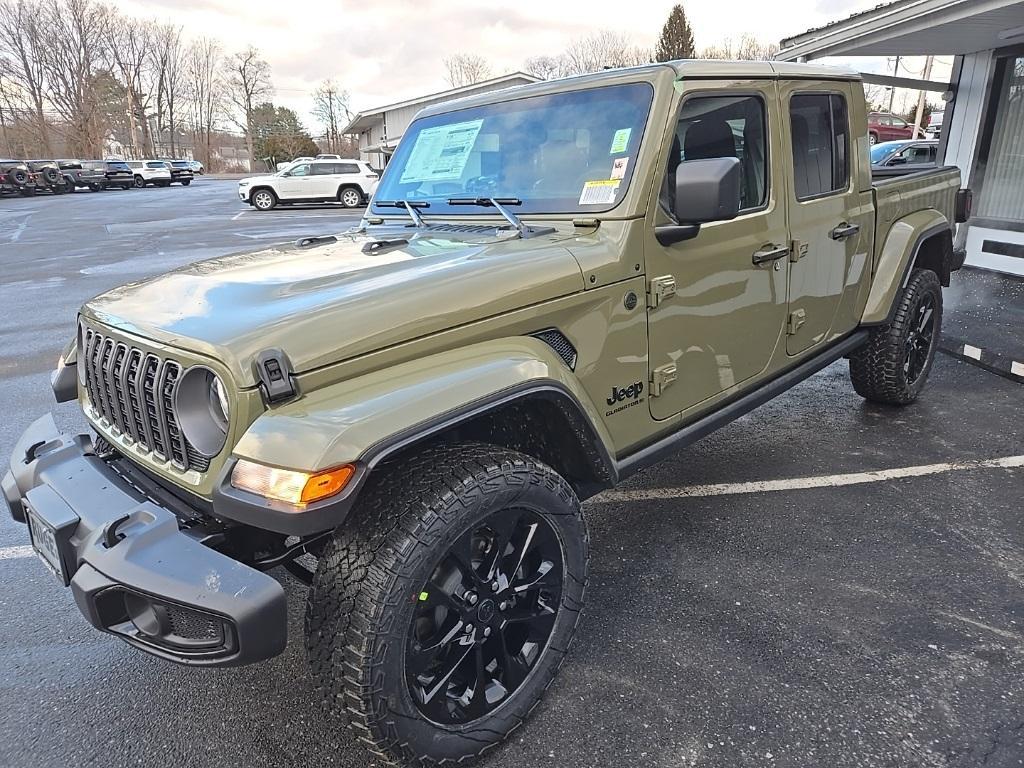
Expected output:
(324, 180)
(828, 215)
(722, 320)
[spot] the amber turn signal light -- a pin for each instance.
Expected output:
(324, 484)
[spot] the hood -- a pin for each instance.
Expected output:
(338, 300)
(263, 178)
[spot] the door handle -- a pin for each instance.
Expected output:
(844, 231)
(770, 253)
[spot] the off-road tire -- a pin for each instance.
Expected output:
(877, 368)
(364, 592)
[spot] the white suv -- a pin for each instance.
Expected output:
(155, 172)
(350, 182)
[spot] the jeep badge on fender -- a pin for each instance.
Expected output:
(629, 393)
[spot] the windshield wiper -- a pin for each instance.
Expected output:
(409, 205)
(498, 204)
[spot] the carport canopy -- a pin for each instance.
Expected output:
(914, 28)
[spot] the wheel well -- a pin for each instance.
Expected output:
(262, 188)
(356, 187)
(936, 253)
(547, 426)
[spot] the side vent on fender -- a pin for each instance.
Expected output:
(555, 339)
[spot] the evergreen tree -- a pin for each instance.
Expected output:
(676, 41)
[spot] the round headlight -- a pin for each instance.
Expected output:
(201, 405)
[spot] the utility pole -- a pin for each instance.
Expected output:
(920, 98)
(892, 89)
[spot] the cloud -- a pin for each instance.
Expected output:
(389, 50)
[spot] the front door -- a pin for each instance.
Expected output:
(297, 184)
(721, 324)
(825, 218)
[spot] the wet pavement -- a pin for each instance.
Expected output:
(877, 624)
(984, 312)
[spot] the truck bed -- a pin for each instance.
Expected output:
(900, 194)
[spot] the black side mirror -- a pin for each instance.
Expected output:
(898, 160)
(705, 191)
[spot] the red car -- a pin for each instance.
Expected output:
(885, 127)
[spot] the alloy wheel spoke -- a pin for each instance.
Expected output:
(441, 680)
(462, 555)
(504, 528)
(545, 577)
(513, 671)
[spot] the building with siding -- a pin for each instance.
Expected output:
(379, 130)
(983, 124)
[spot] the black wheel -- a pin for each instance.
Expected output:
(350, 197)
(893, 366)
(139, 182)
(186, 182)
(263, 199)
(442, 611)
(95, 187)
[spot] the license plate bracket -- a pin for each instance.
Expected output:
(50, 527)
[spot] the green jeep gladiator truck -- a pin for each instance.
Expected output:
(553, 287)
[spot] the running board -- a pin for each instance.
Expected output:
(742, 405)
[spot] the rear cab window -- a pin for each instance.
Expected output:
(820, 133)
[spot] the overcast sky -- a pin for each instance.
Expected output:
(384, 51)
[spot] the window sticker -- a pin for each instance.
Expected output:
(599, 192)
(619, 165)
(620, 141)
(440, 153)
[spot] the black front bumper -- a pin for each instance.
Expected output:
(134, 569)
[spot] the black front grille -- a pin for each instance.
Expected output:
(132, 392)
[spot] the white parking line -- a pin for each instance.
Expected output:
(11, 553)
(801, 483)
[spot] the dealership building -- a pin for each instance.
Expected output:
(983, 125)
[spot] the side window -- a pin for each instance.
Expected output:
(346, 168)
(723, 126)
(821, 137)
(300, 170)
(323, 169)
(899, 122)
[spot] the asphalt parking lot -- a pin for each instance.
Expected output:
(822, 583)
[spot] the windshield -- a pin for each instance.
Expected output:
(561, 153)
(880, 152)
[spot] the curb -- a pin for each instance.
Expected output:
(983, 358)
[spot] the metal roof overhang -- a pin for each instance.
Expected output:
(914, 28)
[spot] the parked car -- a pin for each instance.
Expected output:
(529, 315)
(181, 171)
(934, 129)
(197, 167)
(46, 177)
(77, 175)
(885, 127)
(15, 177)
(350, 182)
(117, 173)
(154, 172)
(905, 154)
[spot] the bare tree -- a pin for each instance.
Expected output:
(74, 56)
(205, 93)
(21, 43)
(747, 48)
(330, 107)
(131, 58)
(466, 69)
(248, 85)
(169, 64)
(605, 49)
(545, 67)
